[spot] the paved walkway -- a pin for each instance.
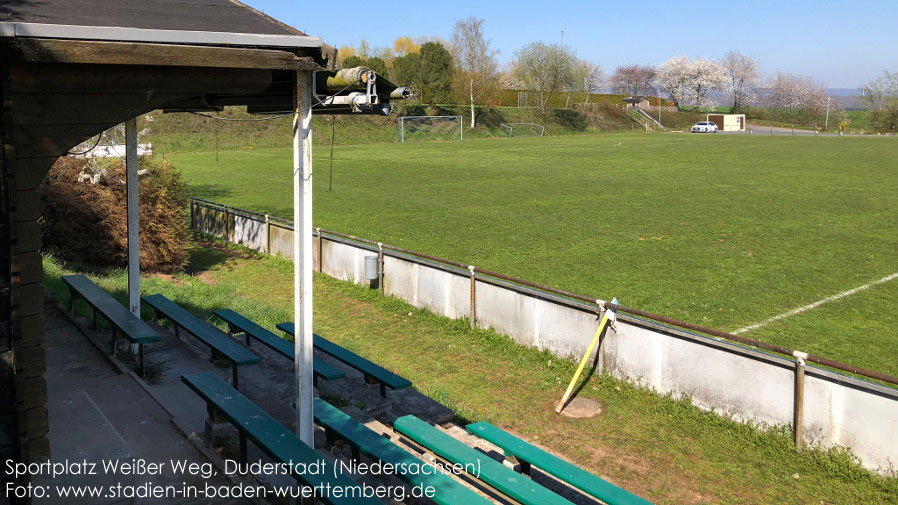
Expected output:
(97, 413)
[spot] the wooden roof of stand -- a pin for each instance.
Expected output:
(73, 68)
(184, 15)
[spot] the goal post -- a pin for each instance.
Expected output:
(430, 128)
(522, 129)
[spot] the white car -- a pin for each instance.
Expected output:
(704, 127)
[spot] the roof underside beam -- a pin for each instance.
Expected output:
(40, 50)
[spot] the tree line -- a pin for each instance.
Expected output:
(465, 70)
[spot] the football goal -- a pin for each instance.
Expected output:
(430, 128)
(522, 129)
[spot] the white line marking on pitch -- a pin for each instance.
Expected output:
(816, 304)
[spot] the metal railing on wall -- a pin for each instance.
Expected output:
(527, 287)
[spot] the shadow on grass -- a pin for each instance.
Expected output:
(210, 191)
(202, 258)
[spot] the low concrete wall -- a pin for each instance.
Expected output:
(742, 383)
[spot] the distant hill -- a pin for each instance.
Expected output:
(848, 98)
(843, 92)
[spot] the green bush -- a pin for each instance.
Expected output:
(570, 119)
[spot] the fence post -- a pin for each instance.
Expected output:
(799, 398)
(192, 218)
(320, 258)
(473, 313)
(380, 267)
(267, 234)
(227, 230)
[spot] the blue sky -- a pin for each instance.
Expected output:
(840, 44)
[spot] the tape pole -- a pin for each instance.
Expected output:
(609, 316)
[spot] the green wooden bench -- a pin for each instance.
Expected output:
(270, 436)
(496, 475)
(362, 439)
(240, 324)
(527, 454)
(204, 332)
(123, 322)
(374, 374)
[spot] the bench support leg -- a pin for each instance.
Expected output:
(525, 468)
(177, 335)
(71, 300)
(243, 456)
(143, 366)
(234, 377)
(371, 380)
(215, 427)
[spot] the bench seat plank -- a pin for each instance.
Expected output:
(553, 465)
(368, 442)
(269, 435)
(117, 314)
(320, 368)
(368, 368)
(505, 480)
(205, 332)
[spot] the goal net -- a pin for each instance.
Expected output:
(522, 129)
(430, 128)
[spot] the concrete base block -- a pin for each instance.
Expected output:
(216, 432)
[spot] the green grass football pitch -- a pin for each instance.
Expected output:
(717, 230)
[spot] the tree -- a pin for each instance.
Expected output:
(707, 76)
(546, 69)
(590, 76)
(881, 95)
(435, 76)
(742, 74)
(795, 98)
(406, 71)
(690, 81)
(674, 79)
(633, 79)
(343, 53)
(353, 61)
(377, 64)
(475, 61)
(403, 46)
(364, 49)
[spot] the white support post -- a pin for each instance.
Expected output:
(302, 256)
(133, 216)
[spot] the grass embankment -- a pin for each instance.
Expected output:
(718, 230)
(190, 132)
(661, 448)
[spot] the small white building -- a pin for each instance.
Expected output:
(728, 122)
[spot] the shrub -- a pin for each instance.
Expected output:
(570, 119)
(85, 214)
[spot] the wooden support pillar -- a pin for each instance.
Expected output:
(302, 256)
